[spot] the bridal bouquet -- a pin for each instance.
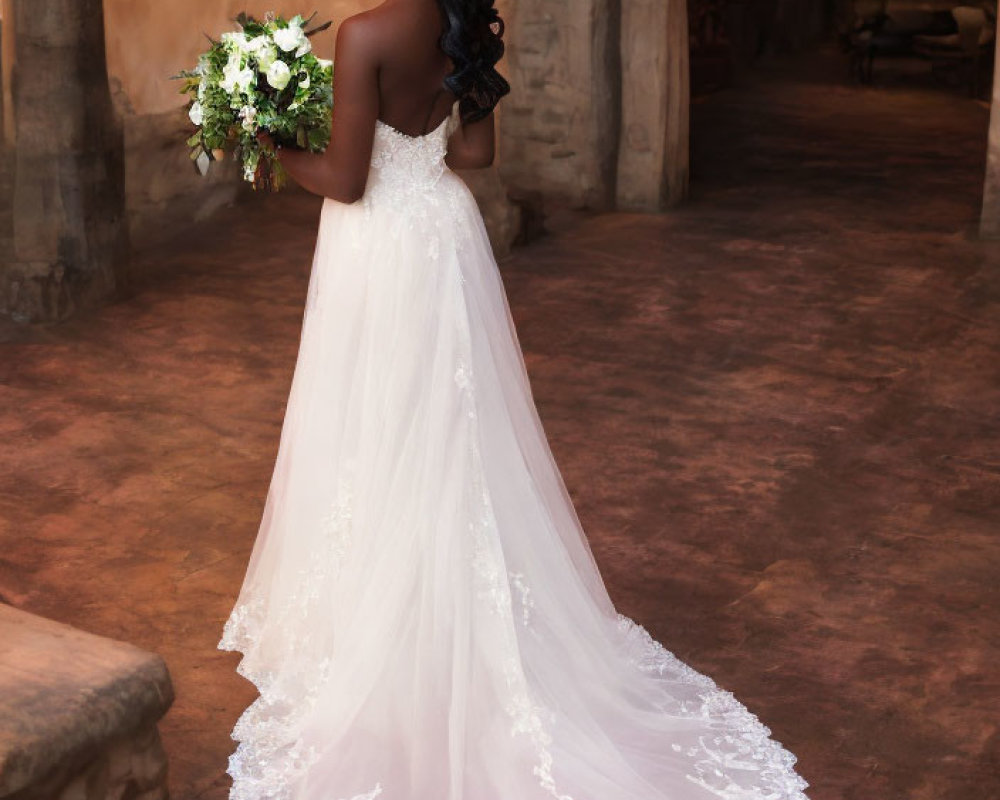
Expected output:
(263, 78)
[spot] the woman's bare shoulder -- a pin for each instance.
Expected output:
(375, 27)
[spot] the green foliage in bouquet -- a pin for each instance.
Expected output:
(261, 78)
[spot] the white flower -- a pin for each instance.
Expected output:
(262, 48)
(304, 82)
(249, 116)
(197, 114)
(278, 75)
(258, 43)
(229, 72)
(266, 57)
(236, 77)
(245, 79)
(235, 41)
(251, 161)
(304, 47)
(325, 63)
(290, 38)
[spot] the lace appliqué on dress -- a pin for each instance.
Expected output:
(369, 795)
(528, 717)
(741, 743)
(406, 177)
(270, 756)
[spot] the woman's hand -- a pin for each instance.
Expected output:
(305, 168)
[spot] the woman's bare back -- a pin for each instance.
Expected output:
(389, 66)
(412, 94)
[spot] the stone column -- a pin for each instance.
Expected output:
(989, 221)
(560, 125)
(6, 70)
(653, 158)
(70, 239)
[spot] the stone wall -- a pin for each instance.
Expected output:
(560, 126)
(147, 42)
(598, 115)
(595, 117)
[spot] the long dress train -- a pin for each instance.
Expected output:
(422, 614)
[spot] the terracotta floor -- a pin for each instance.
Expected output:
(777, 408)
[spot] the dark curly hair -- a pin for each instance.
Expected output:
(473, 40)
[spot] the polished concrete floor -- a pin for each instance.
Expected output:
(777, 409)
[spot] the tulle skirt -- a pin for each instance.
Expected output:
(422, 614)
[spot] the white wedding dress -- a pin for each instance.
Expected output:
(422, 614)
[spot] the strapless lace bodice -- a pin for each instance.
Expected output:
(406, 168)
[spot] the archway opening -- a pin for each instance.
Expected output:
(873, 100)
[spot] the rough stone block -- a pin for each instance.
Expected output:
(148, 765)
(78, 713)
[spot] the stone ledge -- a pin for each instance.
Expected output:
(69, 700)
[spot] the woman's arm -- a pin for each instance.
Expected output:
(341, 172)
(473, 146)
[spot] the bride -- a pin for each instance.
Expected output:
(422, 615)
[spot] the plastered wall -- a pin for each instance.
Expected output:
(150, 40)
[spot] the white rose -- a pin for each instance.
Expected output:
(289, 38)
(233, 78)
(197, 114)
(304, 81)
(266, 57)
(235, 41)
(258, 43)
(279, 75)
(228, 82)
(304, 47)
(229, 72)
(245, 78)
(325, 63)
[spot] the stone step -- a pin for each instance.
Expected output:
(78, 713)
